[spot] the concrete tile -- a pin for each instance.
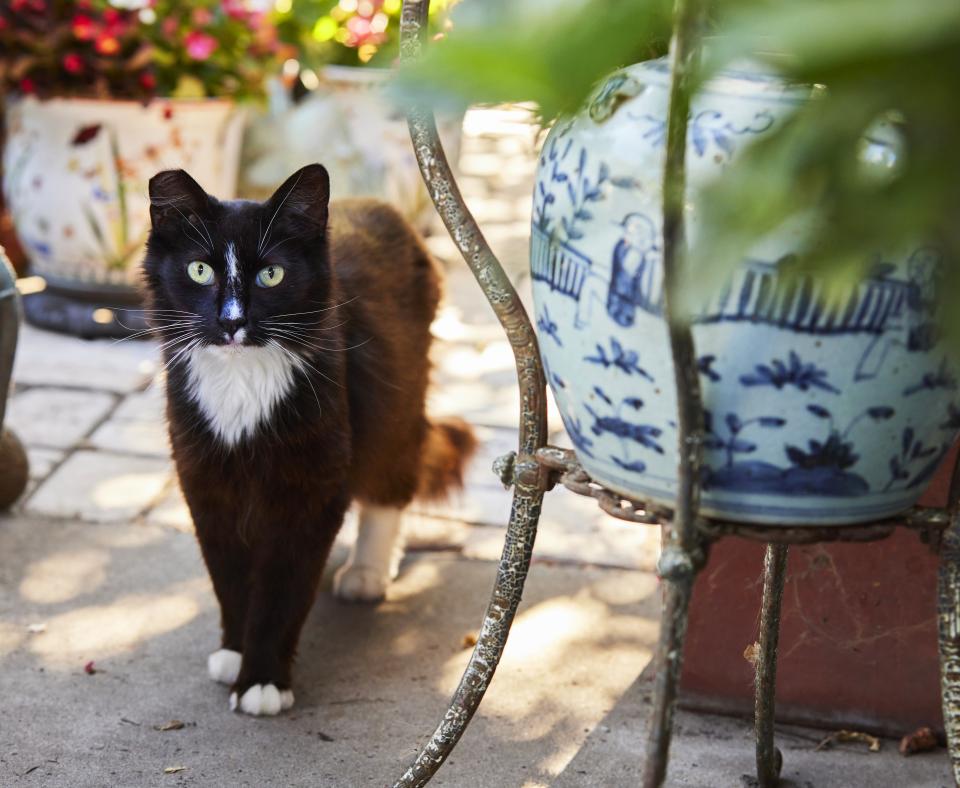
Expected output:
(42, 461)
(48, 359)
(132, 437)
(574, 530)
(101, 487)
(171, 511)
(422, 532)
(148, 405)
(56, 418)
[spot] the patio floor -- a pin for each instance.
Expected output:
(98, 564)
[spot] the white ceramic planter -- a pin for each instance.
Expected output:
(815, 413)
(357, 133)
(76, 172)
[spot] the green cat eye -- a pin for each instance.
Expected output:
(270, 276)
(200, 272)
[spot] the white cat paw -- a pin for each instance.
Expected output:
(355, 583)
(262, 700)
(224, 665)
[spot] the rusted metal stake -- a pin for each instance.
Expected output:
(684, 548)
(948, 608)
(527, 477)
(769, 758)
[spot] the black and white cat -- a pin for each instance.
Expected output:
(296, 338)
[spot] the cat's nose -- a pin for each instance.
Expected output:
(232, 324)
(232, 316)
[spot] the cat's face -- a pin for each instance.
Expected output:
(232, 274)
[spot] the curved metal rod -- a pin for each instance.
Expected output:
(528, 479)
(9, 328)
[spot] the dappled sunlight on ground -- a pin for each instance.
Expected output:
(109, 630)
(64, 575)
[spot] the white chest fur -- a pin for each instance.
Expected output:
(237, 388)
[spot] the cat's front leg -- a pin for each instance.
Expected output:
(288, 563)
(228, 561)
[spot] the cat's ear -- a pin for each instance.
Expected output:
(304, 197)
(174, 195)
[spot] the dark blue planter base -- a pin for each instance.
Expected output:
(90, 316)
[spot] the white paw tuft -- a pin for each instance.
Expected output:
(356, 583)
(262, 700)
(224, 665)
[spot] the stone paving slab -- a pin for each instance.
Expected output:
(42, 461)
(57, 418)
(132, 437)
(100, 486)
(45, 358)
(147, 405)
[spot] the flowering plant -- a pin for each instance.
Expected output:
(348, 32)
(92, 48)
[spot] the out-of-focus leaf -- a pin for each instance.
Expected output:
(876, 60)
(553, 59)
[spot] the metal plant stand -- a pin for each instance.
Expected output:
(13, 458)
(536, 468)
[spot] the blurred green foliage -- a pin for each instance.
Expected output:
(551, 53)
(880, 66)
(347, 32)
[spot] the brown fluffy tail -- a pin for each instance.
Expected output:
(446, 449)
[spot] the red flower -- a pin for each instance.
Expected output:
(72, 63)
(107, 45)
(147, 81)
(199, 45)
(83, 27)
(27, 85)
(167, 112)
(169, 26)
(111, 16)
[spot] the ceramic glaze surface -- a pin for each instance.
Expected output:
(815, 413)
(76, 172)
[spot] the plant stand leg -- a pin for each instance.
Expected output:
(769, 758)
(669, 658)
(949, 620)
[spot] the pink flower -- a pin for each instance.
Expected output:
(199, 45)
(235, 8)
(202, 17)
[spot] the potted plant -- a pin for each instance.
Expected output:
(96, 99)
(822, 263)
(346, 50)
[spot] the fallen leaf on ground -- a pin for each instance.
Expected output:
(89, 669)
(752, 653)
(173, 725)
(921, 740)
(36, 629)
(872, 742)
(174, 769)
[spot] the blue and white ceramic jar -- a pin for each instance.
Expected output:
(815, 414)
